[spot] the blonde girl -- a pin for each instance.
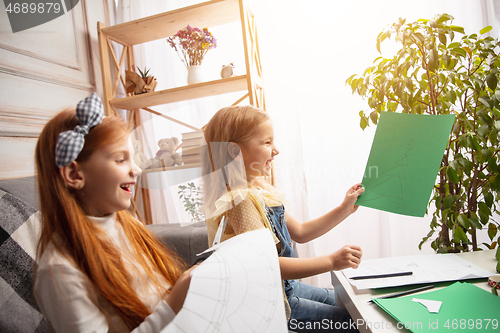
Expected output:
(241, 147)
(98, 269)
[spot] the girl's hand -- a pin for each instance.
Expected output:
(348, 256)
(349, 203)
(178, 293)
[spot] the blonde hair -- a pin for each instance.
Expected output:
(220, 169)
(65, 225)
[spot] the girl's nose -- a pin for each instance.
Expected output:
(275, 151)
(135, 171)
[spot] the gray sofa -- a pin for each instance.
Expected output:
(18, 229)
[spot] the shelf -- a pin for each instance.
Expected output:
(177, 167)
(164, 25)
(184, 93)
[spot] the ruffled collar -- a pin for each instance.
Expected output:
(233, 198)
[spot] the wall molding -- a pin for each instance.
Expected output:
(14, 124)
(39, 57)
(53, 80)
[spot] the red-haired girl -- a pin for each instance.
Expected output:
(98, 268)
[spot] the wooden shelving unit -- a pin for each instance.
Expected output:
(177, 167)
(161, 26)
(184, 93)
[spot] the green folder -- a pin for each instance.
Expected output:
(404, 162)
(465, 307)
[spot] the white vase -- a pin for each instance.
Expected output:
(195, 74)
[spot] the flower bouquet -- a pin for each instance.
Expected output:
(192, 44)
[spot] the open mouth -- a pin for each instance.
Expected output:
(127, 187)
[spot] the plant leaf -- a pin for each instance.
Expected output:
(457, 29)
(475, 223)
(442, 38)
(380, 39)
(485, 30)
(374, 117)
(459, 235)
(492, 81)
(350, 78)
(464, 221)
(485, 101)
(459, 51)
(488, 198)
(448, 201)
(484, 218)
(483, 208)
(363, 123)
(452, 175)
(492, 230)
(474, 144)
(443, 18)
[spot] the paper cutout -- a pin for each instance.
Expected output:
(466, 307)
(237, 289)
(425, 268)
(404, 162)
(432, 306)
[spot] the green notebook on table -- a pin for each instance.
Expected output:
(465, 307)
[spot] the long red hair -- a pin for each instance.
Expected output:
(64, 223)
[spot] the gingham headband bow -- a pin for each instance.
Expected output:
(90, 113)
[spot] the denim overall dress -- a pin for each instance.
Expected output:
(276, 217)
(320, 302)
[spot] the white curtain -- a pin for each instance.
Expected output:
(308, 49)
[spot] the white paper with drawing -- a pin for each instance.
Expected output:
(424, 268)
(237, 289)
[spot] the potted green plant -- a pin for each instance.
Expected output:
(139, 83)
(433, 72)
(192, 196)
(144, 74)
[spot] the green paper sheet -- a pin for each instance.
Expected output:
(404, 162)
(465, 307)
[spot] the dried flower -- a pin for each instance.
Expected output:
(192, 44)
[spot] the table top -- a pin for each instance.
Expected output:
(371, 318)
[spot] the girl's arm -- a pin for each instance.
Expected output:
(306, 231)
(348, 256)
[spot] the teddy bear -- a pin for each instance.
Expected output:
(139, 158)
(167, 153)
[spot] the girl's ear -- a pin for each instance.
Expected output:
(233, 149)
(72, 175)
